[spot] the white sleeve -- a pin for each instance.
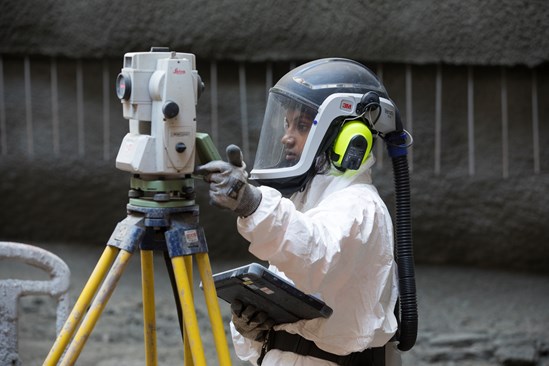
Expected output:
(245, 349)
(307, 246)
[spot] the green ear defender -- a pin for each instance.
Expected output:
(352, 145)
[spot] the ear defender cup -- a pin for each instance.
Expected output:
(352, 145)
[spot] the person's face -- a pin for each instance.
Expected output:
(297, 125)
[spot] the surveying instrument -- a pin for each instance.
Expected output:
(159, 91)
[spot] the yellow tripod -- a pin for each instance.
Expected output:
(155, 222)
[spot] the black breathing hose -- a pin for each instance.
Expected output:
(408, 325)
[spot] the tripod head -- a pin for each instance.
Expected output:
(159, 91)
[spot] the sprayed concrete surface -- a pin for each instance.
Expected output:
(468, 316)
(493, 32)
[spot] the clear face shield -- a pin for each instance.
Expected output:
(285, 130)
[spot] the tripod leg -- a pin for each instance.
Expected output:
(189, 312)
(96, 308)
(187, 355)
(84, 300)
(214, 313)
(169, 268)
(149, 316)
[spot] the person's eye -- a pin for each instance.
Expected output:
(304, 127)
(286, 123)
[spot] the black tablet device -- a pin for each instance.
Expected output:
(256, 285)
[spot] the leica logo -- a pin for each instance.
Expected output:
(178, 71)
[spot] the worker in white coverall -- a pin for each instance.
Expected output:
(320, 225)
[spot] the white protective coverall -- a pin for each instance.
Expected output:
(334, 240)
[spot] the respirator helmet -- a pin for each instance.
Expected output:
(327, 109)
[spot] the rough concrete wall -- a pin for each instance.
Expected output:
(491, 32)
(76, 195)
(482, 219)
(487, 218)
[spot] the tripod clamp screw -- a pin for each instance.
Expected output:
(161, 197)
(134, 193)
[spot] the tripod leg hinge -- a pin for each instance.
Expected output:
(128, 234)
(184, 239)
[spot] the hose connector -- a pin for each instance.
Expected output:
(396, 143)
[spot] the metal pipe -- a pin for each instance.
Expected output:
(471, 120)
(438, 118)
(214, 103)
(504, 125)
(268, 79)
(54, 88)
(535, 123)
(80, 107)
(3, 129)
(243, 109)
(106, 111)
(28, 108)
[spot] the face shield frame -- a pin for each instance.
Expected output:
(337, 107)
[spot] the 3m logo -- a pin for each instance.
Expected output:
(346, 105)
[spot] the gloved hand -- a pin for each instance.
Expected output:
(252, 323)
(229, 187)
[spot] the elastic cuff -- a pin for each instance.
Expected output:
(251, 198)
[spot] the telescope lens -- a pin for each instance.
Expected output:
(123, 86)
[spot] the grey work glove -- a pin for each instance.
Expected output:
(251, 322)
(229, 187)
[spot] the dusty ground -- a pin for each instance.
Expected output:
(467, 316)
